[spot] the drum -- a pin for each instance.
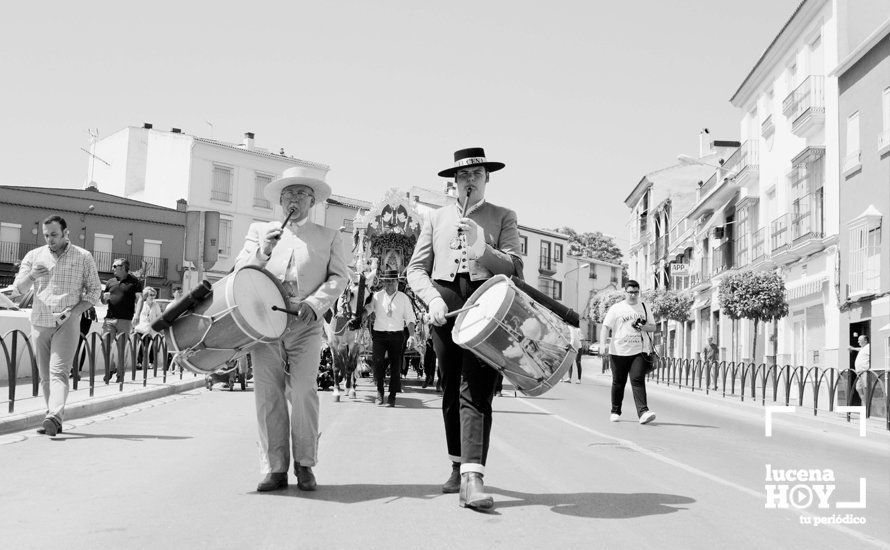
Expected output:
(236, 316)
(529, 344)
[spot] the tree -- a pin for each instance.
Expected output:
(595, 245)
(668, 305)
(601, 303)
(757, 295)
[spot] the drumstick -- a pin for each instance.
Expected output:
(287, 219)
(461, 310)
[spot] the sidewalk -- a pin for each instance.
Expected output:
(753, 407)
(30, 411)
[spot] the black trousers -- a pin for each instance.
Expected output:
(429, 362)
(388, 348)
(467, 383)
(624, 366)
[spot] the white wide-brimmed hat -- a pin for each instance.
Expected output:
(299, 175)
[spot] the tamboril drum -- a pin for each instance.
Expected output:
(236, 316)
(530, 345)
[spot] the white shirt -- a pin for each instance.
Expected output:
(392, 313)
(863, 358)
(626, 340)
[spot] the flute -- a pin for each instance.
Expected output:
(287, 219)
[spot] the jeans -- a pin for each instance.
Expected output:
(635, 367)
(55, 347)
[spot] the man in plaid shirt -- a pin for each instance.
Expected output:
(66, 284)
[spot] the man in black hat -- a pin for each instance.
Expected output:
(389, 312)
(459, 248)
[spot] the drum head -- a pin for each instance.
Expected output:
(254, 291)
(491, 299)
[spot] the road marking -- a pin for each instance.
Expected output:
(701, 473)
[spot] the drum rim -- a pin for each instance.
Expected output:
(498, 315)
(239, 319)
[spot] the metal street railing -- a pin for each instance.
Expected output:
(128, 353)
(786, 384)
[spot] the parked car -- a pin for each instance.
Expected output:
(594, 349)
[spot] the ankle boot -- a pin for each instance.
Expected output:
(472, 492)
(453, 483)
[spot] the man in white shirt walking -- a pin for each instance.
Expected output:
(390, 311)
(862, 364)
(626, 322)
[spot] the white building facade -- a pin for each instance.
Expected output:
(161, 167)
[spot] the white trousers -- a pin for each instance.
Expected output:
(55, 349)
(283, 436)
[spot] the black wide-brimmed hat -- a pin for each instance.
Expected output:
(389, 275)
(474, 156)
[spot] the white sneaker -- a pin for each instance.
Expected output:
(614, 417)
(647, 417)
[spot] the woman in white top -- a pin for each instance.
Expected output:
(630, 324)
(150, 311)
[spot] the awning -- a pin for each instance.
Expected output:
(885, 328)
(806, 286)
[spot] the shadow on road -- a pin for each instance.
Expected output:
(72, 436)
(595, 505)
(585, 505)
(656, 424)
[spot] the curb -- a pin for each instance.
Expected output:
(99, 405)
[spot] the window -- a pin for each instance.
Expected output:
(616, 275)
(347, 225)
(10, 242)
(545, 256)
(884, 137)
(151, 255)
(865, 255)
(791, 76)
(591, 273)
(523, 245)
(851, 161)
(225, 237)
(551, 288)
(259, 185)
(221, 186)
(557, 253)
(102, 254)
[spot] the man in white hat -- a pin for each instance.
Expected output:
(309, 261)
(459, 248)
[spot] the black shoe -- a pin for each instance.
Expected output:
(391, 402)
(472, 492)
(453, 483)
(273, 482)
(305, 478)
(51, 427)
(379, 399)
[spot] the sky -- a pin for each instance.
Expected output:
(580, 99)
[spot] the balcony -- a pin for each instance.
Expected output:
(740, 169)
(883, 143)
(767, 127)
(805, 106)
(12, 252)
(154, 267)
(545, 266)
(723, 257)
(780, 238)
(680, 236)
(758, 250)
(743, 250)
(807, 224)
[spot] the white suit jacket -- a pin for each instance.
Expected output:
(318, 254)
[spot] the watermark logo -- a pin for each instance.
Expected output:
(813, 489)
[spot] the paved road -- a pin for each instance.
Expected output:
(180, 473)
